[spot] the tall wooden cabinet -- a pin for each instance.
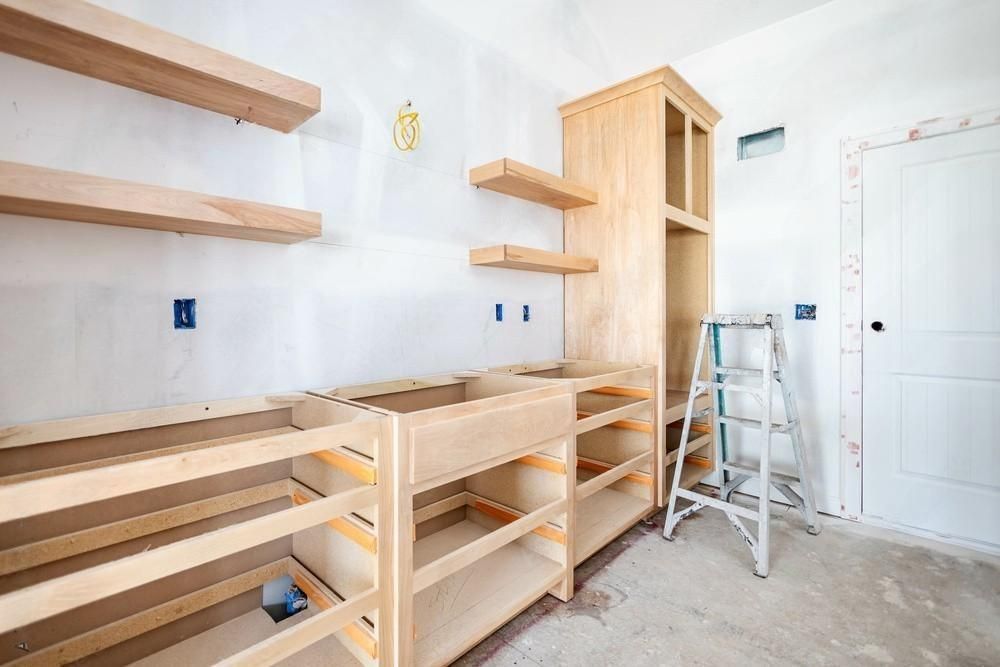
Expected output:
(646, 146)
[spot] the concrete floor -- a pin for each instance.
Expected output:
(851, 595)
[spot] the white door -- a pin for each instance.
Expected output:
(931, 230)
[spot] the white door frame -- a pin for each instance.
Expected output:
(851, 286)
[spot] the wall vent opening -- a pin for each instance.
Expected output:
(760, 144)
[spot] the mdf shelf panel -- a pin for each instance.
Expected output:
(93, 41)
(526, 182)
(65, 195)
(530, 259)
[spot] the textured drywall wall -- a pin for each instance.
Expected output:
(87, 321)
(847, 68)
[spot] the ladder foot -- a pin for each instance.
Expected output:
(758, 574)
(813, 530)
(668, 538)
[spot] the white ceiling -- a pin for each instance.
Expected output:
(581, 45)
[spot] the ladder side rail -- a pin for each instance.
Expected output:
(764, 492)
(798, 443)
(669, 523)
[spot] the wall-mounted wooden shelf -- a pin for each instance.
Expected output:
(99, 43)
(66, 195)
(520, 180)
(530, 259)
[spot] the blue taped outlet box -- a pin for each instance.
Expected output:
(184, 314)
(295, 600)
(805, 311)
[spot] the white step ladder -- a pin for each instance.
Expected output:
(774, 365)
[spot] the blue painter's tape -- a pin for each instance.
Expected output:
(805, 311)
(499, 312)
(184, 314)
(525, 313)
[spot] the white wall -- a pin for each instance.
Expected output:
(848, 68)
(87, 309)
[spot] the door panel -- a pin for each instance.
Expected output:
(931, 233)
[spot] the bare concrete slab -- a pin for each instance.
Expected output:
(851, 595)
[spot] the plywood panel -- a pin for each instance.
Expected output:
(616, 314)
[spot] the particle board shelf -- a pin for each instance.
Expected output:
(93, 41)
(223, 641)
(604, 516)
(454, 614)
(530, 259)
(680, 219)
(526, 182)
(64, 195)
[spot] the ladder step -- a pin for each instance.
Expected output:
(753, 423)
(777, 477)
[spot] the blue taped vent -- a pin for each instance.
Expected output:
(184, 314)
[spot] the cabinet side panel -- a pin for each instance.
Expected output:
(617, 313)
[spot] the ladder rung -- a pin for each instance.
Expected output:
(729, 370)
(778, 477)
(754, 423)
(728, 508)
(725, 386)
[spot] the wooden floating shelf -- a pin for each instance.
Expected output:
(66, 195)
(526, 182)
(93, 41)
(530, 259)
(678, 219)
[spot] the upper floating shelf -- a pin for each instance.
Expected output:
(530, 259)
(520, 180)
(96, 42)
(66, 195)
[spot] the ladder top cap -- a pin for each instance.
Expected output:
(749, 320)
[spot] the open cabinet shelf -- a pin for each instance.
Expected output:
(64, 195)
(93, 41)
(526, 182)
(602, 517)
(455, 613)
(483, 497)
(530, 259)
(164, 524)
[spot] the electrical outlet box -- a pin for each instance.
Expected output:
(184, 314)
(525, 313)
(499, 312)
(805, 311)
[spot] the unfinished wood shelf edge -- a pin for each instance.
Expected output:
(678, 219)
(530, 259)
(64, 195)
(96, 42)
(525, 182)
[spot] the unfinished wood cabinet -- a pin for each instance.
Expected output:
(122, 534)
(90, 40)
(616, 445)
(66, 195)
(483, 503)
(652, 232)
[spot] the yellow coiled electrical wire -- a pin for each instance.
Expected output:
(406, 129)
